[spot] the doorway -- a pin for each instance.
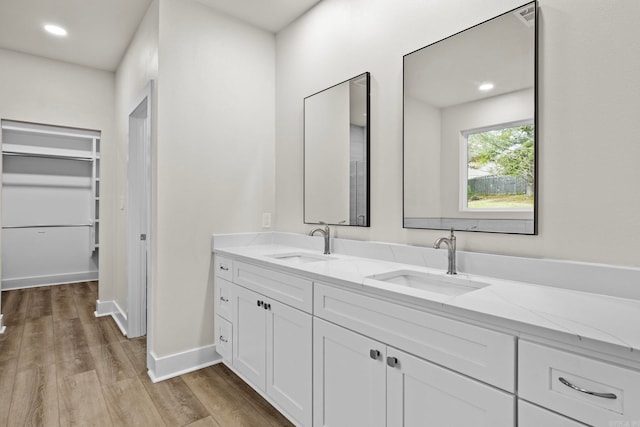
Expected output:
(50, 204)
(139, 215)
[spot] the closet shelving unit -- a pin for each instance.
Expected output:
(27, 140)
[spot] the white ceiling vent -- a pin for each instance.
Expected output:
(527, 14)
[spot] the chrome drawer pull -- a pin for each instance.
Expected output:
(224, 267)
(223, 339)
(581, 390)
(223, 299)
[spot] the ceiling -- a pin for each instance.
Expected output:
(99, 31)
(270, 15)
(500, 51)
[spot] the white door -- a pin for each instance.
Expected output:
(289, 360)
(138, 216)
(249, 335)
(421, 394)
(349, 387)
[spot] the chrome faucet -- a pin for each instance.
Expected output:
(451, 247)
(326, 233)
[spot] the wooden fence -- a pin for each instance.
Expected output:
(497, 185)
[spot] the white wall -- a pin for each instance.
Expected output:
(327, 144)
(216, 115)
(138, 66)
(40, 90)
(422, 159)
(589, 99)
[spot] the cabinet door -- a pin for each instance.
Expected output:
(289, 363)
(533, 416)
(421, 394)
(223, 298)
(348, 378)
(224, 339)
(249, 335)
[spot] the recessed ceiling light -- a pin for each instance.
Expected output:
(486, 87)
(55, 30)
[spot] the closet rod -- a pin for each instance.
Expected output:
(49, 156)
(46, 226)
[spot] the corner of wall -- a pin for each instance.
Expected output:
(173, 365)
(111, 308)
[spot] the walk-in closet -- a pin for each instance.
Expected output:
(50, 204)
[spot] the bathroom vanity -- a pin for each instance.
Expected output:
(378, 335)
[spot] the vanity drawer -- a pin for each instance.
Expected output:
(478, 352)
(223, 298)
(224, 336)
(223, 267)
(540, 371)
(291, 290)
(533, 416)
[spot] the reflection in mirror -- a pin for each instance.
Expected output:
(336, 154)
(469, 128)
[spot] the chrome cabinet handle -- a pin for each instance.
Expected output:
(224, 267)
(582, 390)
(223, 339)
(223, 299)
(392, 361)
(374, 354)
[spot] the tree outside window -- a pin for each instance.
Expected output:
(500, 168)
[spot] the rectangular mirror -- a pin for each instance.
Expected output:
(469, 128)
(336, 154)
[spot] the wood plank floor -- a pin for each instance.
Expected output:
(62, 366)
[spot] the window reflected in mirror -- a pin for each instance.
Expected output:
(500, 168)
(469, 121)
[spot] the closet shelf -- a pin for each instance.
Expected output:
(25, 150)
(4, 227)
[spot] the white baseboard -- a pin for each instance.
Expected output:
(57, 279)
(173, 365)
(111, 308)
(2, 327)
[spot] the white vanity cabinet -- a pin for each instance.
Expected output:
(271, 344)
(223, 324)
(533, 416)
(420, 393)
(360, 381)
(349, 384)
(320, 338)
(595, 392)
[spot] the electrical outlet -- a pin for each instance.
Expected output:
(266, 220)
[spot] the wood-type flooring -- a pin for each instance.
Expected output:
(62, 366)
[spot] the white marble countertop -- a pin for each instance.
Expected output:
(567, 315)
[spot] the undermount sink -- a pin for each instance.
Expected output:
(301, 257)
(438, 283)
